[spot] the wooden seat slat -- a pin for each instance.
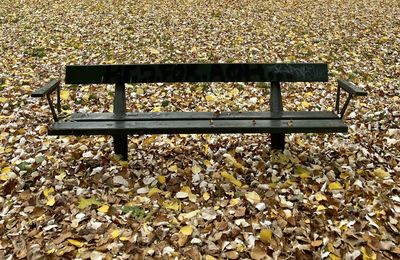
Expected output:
(113, 127)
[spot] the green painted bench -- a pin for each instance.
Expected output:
(121, 123)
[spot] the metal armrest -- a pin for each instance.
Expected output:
(352, 90)
(46, 90)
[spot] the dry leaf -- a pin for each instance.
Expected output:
(253, 197)
(266, 235)
(75, 242)
(335, 186)
(231, 179)
(186, 230)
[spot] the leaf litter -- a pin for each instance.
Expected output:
(192, 196)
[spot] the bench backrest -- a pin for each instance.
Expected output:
(169, 73)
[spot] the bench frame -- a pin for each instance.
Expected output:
(169, 73)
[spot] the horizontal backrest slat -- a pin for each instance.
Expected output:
(168, 73)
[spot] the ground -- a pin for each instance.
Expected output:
(191, 196)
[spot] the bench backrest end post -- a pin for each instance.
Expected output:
(119, 100)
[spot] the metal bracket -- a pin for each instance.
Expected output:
(342, 111)
(53, 112)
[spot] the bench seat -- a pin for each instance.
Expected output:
(199, 122)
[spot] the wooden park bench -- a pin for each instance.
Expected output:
(121, 123)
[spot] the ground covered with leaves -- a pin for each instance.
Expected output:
(200, 196)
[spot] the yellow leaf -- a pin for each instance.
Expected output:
(161, 179)
(124, 238)
(156, 109)
(51, 251)
(123, 163)
(196, 169)
(234, 202)
(321, 208)
(266, 235)
(302, 172)
(64, 95)
(334, 257)
(47, 192)
(3, 100)
(149, 140)
(103, 209)
(173, 205)
(173, 168)
(305, 104)
(115, 233)
(186, 230)
(192, 198)
(83, 203)
(50, 200)
(3, 177)
(320, 197)
(154, 51)
(309, 94)
(335, 186)
(330, 248)
(253, 197)
(86, 97)
(139, 91)
(381, 173)
(230, 178)
(189, 215)
(211, 98)
(153, 191)
(366, 256)
(75, 242)
(209, 257)
(6, 170)
(186, 189)
(206, 196)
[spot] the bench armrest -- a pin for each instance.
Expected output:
(46, 89)
(351, 88)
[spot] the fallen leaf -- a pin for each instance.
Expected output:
(266, 235)
(75, 242)
(115, 233)
(50, 200)
(84, 203)
(173, 205)
(230, 178)
(335, 186)
(48, 191)
(161, 179)
(206, 196)
(196, 169)
(153, 191)
(103, 209)
(186, 230)
(64, 95)
(381, 173)
(253, 197)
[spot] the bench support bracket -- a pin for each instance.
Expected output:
(120, 141)
(277, 140)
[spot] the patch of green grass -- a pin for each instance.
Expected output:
(38, 52)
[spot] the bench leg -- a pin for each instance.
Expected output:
(121, 145)
(278, 141)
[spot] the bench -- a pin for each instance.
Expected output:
(121, 123)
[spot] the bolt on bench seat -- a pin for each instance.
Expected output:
(120, 124)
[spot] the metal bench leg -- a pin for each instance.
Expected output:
(120, 141)
(121, 145)
(278, 141)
